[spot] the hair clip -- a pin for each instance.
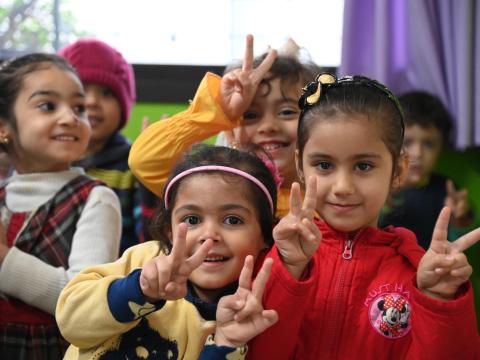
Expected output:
(313, 90)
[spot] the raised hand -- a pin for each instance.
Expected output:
(238, 87)
(165, 277)
(296, 235)
(241, 316)
(444, 267)
(457, 201)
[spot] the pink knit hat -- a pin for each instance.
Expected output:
(99, 63)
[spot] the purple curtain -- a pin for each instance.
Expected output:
(431, 45)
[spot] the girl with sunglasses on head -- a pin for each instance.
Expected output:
(360, 291)
(159, 300)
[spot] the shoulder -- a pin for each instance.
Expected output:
(102, 194)
(408, 245)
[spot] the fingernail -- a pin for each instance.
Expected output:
(449, 257)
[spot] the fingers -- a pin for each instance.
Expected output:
(310, 201)
(145, 123)
(450, 188)
(308, 230)
(439, 236)
(295, 199)
(267, 319)
(245, 279)
(199, 255)
(248, 59)
(466, 241)
(179, 244)
(259, 73)
(261, 279)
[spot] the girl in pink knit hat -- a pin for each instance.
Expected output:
(110, 94)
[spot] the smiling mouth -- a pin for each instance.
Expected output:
(65, 138)
(215, 259)
(273, 146)
(343, 207)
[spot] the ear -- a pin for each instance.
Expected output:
(401, 170)
(4, 128)
(298, 166)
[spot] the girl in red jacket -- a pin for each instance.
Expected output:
(344, 288)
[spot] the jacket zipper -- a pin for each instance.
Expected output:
(347, 254)
(348, 249)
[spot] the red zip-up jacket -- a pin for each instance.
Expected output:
(360, 302)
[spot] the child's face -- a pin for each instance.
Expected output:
(218, 209)
(271, 122)
(104, 112)
(52, 126)
(353, 168)
(423, 146)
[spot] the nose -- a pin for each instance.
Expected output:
(415, 150)
(268, 124)
(344, 183)
(91, 98)
(69, 117)
(210, 230)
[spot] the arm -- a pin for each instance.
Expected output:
(443, 296)
(452, 324)
(241, 316)
(289, 297)
(83, 311)
(159, 146)
(122, 294)
(95, 241)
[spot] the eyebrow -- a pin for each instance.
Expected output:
(226, 207)
(355, 157)
(52, 93)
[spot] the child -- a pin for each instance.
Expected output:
(367, 292)
(55, 220)
(417, 204)
(110, 94)
(151, 304)
(261, 96)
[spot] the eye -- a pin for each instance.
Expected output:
(107, 92)
(364, 167)
(323, 165)
(79, 109)
(429, 144)
(288, 113)
(191, 220)
(47, 106)
(233, 220)
(250, 116)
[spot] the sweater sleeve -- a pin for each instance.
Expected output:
(96, 240)
(87, 311)
(159, 146)
(446, 328)
(288, 297)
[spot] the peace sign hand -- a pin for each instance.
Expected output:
(457, 201)
(238, 87)
(165, 277)
(444, 267)
(296, 235)
(241, 316)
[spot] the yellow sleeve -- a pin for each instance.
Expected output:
(159, 146)
(83, 313)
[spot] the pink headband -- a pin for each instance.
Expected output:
(219, 168)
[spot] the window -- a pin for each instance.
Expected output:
(174, 37)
